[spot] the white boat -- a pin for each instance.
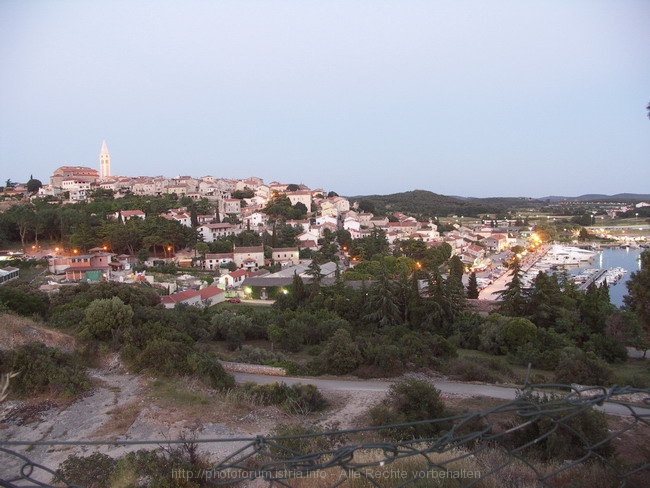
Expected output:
(565, 255)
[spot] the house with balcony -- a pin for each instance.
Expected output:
(90, 267)
(250, 258)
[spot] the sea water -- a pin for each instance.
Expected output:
(627, 259)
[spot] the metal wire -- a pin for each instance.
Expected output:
(468, 441)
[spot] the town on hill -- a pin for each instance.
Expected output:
(194, 309)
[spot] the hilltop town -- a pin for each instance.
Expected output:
(154, 303)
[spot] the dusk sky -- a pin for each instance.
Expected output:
(459, 97)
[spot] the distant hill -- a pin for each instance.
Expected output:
(428, 204)
(596, 197)
(425, 204)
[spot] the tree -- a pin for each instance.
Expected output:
(22, 217)
(455, 289)
(472, 287)
(106, 319)
(638, 296)
(511, 298)
(382, 307)
(341, 355)
(232, 328)
(33, 185)
(314, 271)
(202, 248)
(410, 400)
(366, 206)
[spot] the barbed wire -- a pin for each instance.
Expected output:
(473, 448)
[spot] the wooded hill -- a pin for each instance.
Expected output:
(427, 204)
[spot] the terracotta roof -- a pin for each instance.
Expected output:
(237, 273)
(210, 291)
(180, 296)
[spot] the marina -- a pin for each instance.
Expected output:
(611, 265)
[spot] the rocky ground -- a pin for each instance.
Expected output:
(126, 407)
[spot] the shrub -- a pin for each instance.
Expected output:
(168, 358)
(606, 348)
(562, 434)
(257, 355)
(576, 366)
(424, 349)
(544, 351)
(92, 471)
(340, 355)
(22, 302)
(44, 369)
(107, 319)
(410, 400)
(467, 370)
(298, 398)
(515, 333)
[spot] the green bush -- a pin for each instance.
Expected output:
(340, 355)
(298, 398)
(257, 355)
(168, 358)
(23, 302)
(560, 435)
(44, 369)
(425, 350)
(92, 471)
(606, 348)
(465, 369)
(410, 400)
(584, 368)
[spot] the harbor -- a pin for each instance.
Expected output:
(613, 265)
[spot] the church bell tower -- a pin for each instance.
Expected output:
(104, 162)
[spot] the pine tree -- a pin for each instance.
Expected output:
(472, 287)
(511, 299)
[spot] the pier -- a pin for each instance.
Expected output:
(592, 279)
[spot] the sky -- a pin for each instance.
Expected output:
(459, 97)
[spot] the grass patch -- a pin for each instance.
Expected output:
(121, 419)
(633, 372)
(178, 393)
(499, 369)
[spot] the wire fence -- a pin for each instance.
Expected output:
(517, 443)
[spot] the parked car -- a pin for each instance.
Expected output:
(234, 300)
